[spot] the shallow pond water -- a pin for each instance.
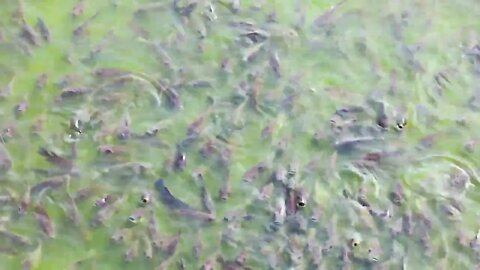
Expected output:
(239, 134)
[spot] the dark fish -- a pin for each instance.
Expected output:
(73, 213)
(110, 72)
(21, 107)
(326, 17)
(110, 149)
(42, 81)
(168, 199)
(6, 161)
(74, 92)
(397, 196)
(29, 34)
(44, 32)
(207, 202)
(208, 149)
(52, 183)
(225, 189)
(185, 10)
(275, 64)
(79, 8)
(44, 221)
(55, 159)
(81, 30)
(15, 239)
(254, 172)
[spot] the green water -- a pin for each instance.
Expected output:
(410, 56)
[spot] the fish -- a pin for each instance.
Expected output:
(72, 210)
(147, 247)
(15, 239)
(8, 89)
(79, 8)
(121, 235)
(168, 199)
(186, 10)
(327, 16)
(55, 159)
(266, 192)
(207, 201)
(254, 172)
(6, 162)
(137, 215)
(81, 30)
(110, 72)
(152, 228)
(104, 213)
(274, 62)
(112, 150)
(45, 222)
(51, 183)
(21, 107)
(44, 31)
(225, 189)
(30, 35)
(71, 92)
(42, 81)
(132, 251)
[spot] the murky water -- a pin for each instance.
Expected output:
(239, 134)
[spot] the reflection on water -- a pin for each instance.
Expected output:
(239, 135)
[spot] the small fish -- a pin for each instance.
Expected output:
(79, 8)
(21, 107)
(29, 34)
(185, 10)
(274, 62)
(52, 183)
(44, 32)
(397, 196)
(254, 172)
(226, 65)
(268, 130)
(73, 212)
(251, 53)
(152, 228)
(42, 81)
(104, 213)
(6, 162)
(147, 247)
(225, 189)
(110, 72)
(121, 235)
(327, 16)
(132, 251)
(55, 159)
(104, 201)
(280, 212)
(15, 239)
(72, 92)
(137, 215)
(207, 201)
(110, 149)
(266, 192)
(44, 221)
(85, 193)
(168, 199)
(8, 89)
(81, 30)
